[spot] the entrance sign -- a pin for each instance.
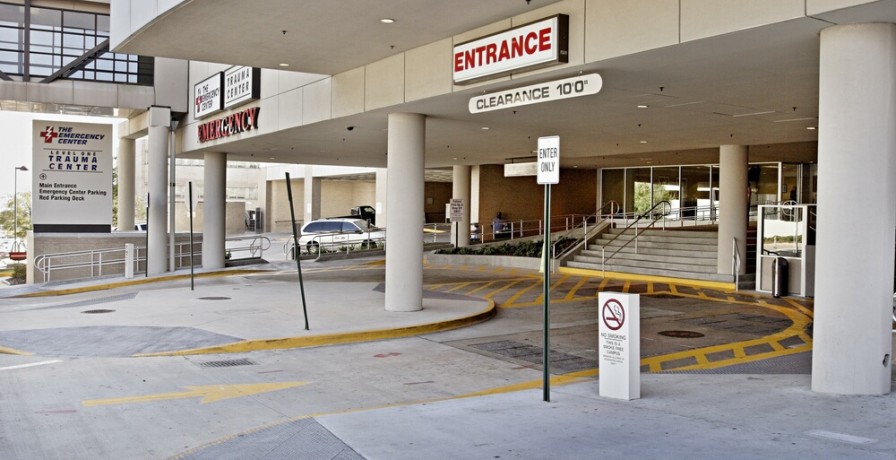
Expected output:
(619, 345)
(207, 96)
(530, 46)
(549, 160)
(72, 177)
(582, 85)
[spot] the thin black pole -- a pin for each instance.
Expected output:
(296, 250)
(146, 238)
(190, 191)
(546, 257)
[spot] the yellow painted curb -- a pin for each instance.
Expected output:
(13, 351)
(135, 282)
(334, 339)
(720, 285)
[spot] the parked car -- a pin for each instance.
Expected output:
(338, 233)
(475, 233)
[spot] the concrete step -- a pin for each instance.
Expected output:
(684, 274)
(649, 245)
(658, 251)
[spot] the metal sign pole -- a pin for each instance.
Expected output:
(192, 264)
(546, 258)
(296, 250)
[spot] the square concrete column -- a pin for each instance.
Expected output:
(404, 229)
(157, 252)
(311, 196)
(126, 174)
(382, 183)
(852, 340)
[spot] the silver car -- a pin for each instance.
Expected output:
(338, 233)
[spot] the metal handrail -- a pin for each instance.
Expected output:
(257, 245)
(289, 249)
(94, 259)
(649, 213)
(597, 217)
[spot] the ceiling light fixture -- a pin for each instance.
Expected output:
(810, 128)
(283, 64)
(485, 128)
(387, 21)
(642, 106)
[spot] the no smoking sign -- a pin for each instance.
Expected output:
(613, 314)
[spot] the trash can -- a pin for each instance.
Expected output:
(780, 274)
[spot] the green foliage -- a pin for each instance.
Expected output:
(643, 201)
(7, 216)
(526, 248)
(19, 273)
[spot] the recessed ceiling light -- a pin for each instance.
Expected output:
(387, 20)
(643, 142)
(485, 128)
(811, 128)
(642, 106)
(283, 64)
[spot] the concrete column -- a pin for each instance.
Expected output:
(157, 252)
(852, 340)
(404, 244)
(733, 207)
(474, 198)
(214, 210)
(382, 181)
(311, 197)
(126, 173)
(460, 189)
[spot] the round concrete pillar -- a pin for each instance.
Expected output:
(404, 225)
(733, 163)
(852, 340)
(126, 174)
(214, 210)
(157, 239)
(460, 189)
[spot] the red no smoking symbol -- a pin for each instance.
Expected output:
(613, 314)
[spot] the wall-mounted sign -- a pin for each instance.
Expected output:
(241, 85)
(582, 85)
(538, 44)
(72, 177)
(236, 123)
(521, 169)
(207, 96)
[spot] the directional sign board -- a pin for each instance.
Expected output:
(582, 85)
(549, 160)
(457, 210)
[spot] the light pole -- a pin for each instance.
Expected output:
(15, 208)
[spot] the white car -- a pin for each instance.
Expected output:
(337, 233)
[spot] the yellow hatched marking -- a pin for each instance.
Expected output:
(572, 292)
(502, 289)
(551, 288)
(626, 286)
(701, 358)
(482, 287)
(673, 288)
(776, 346)
(649, 287)
(802, 308)
(512, 300)
(739, 352)
(459, 286)
(602, 286)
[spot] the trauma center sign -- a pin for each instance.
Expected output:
(72, 177)
(582, 85)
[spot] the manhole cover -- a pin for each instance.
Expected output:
(681, 334)
(214, 298)
(101, 310)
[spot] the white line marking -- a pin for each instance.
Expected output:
(22, 366)
(843, 437)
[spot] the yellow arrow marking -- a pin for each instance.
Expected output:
(208, 393)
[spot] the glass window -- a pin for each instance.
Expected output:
(76, 20)
(12, 15)
(612, 185)
(46, 19)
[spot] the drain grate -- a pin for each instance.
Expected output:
(681, 334)
(560, 362)
(214, 298)
(99, 310)
(228, 363)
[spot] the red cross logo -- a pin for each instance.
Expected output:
(49, 135)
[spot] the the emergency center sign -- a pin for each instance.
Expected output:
(72, 177)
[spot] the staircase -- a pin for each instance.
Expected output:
(688, 254)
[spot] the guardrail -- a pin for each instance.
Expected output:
(93, 263)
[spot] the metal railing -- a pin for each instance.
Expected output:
(254, 249)
(584, 236)
(319, 247)
(652, 215)
(92, 263)
(735, 262)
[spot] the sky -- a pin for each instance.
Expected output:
(16, 135)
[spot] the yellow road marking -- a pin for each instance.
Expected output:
(572, 292)
(510, 302)
(602, 286)
(482, 287)
(208, 393)
(459, 286)
(502, 289)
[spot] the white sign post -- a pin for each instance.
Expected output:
(548, 173)
(619, 345)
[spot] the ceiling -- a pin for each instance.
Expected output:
(756, 87)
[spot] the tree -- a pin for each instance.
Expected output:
(7, 215)
(643, 200)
